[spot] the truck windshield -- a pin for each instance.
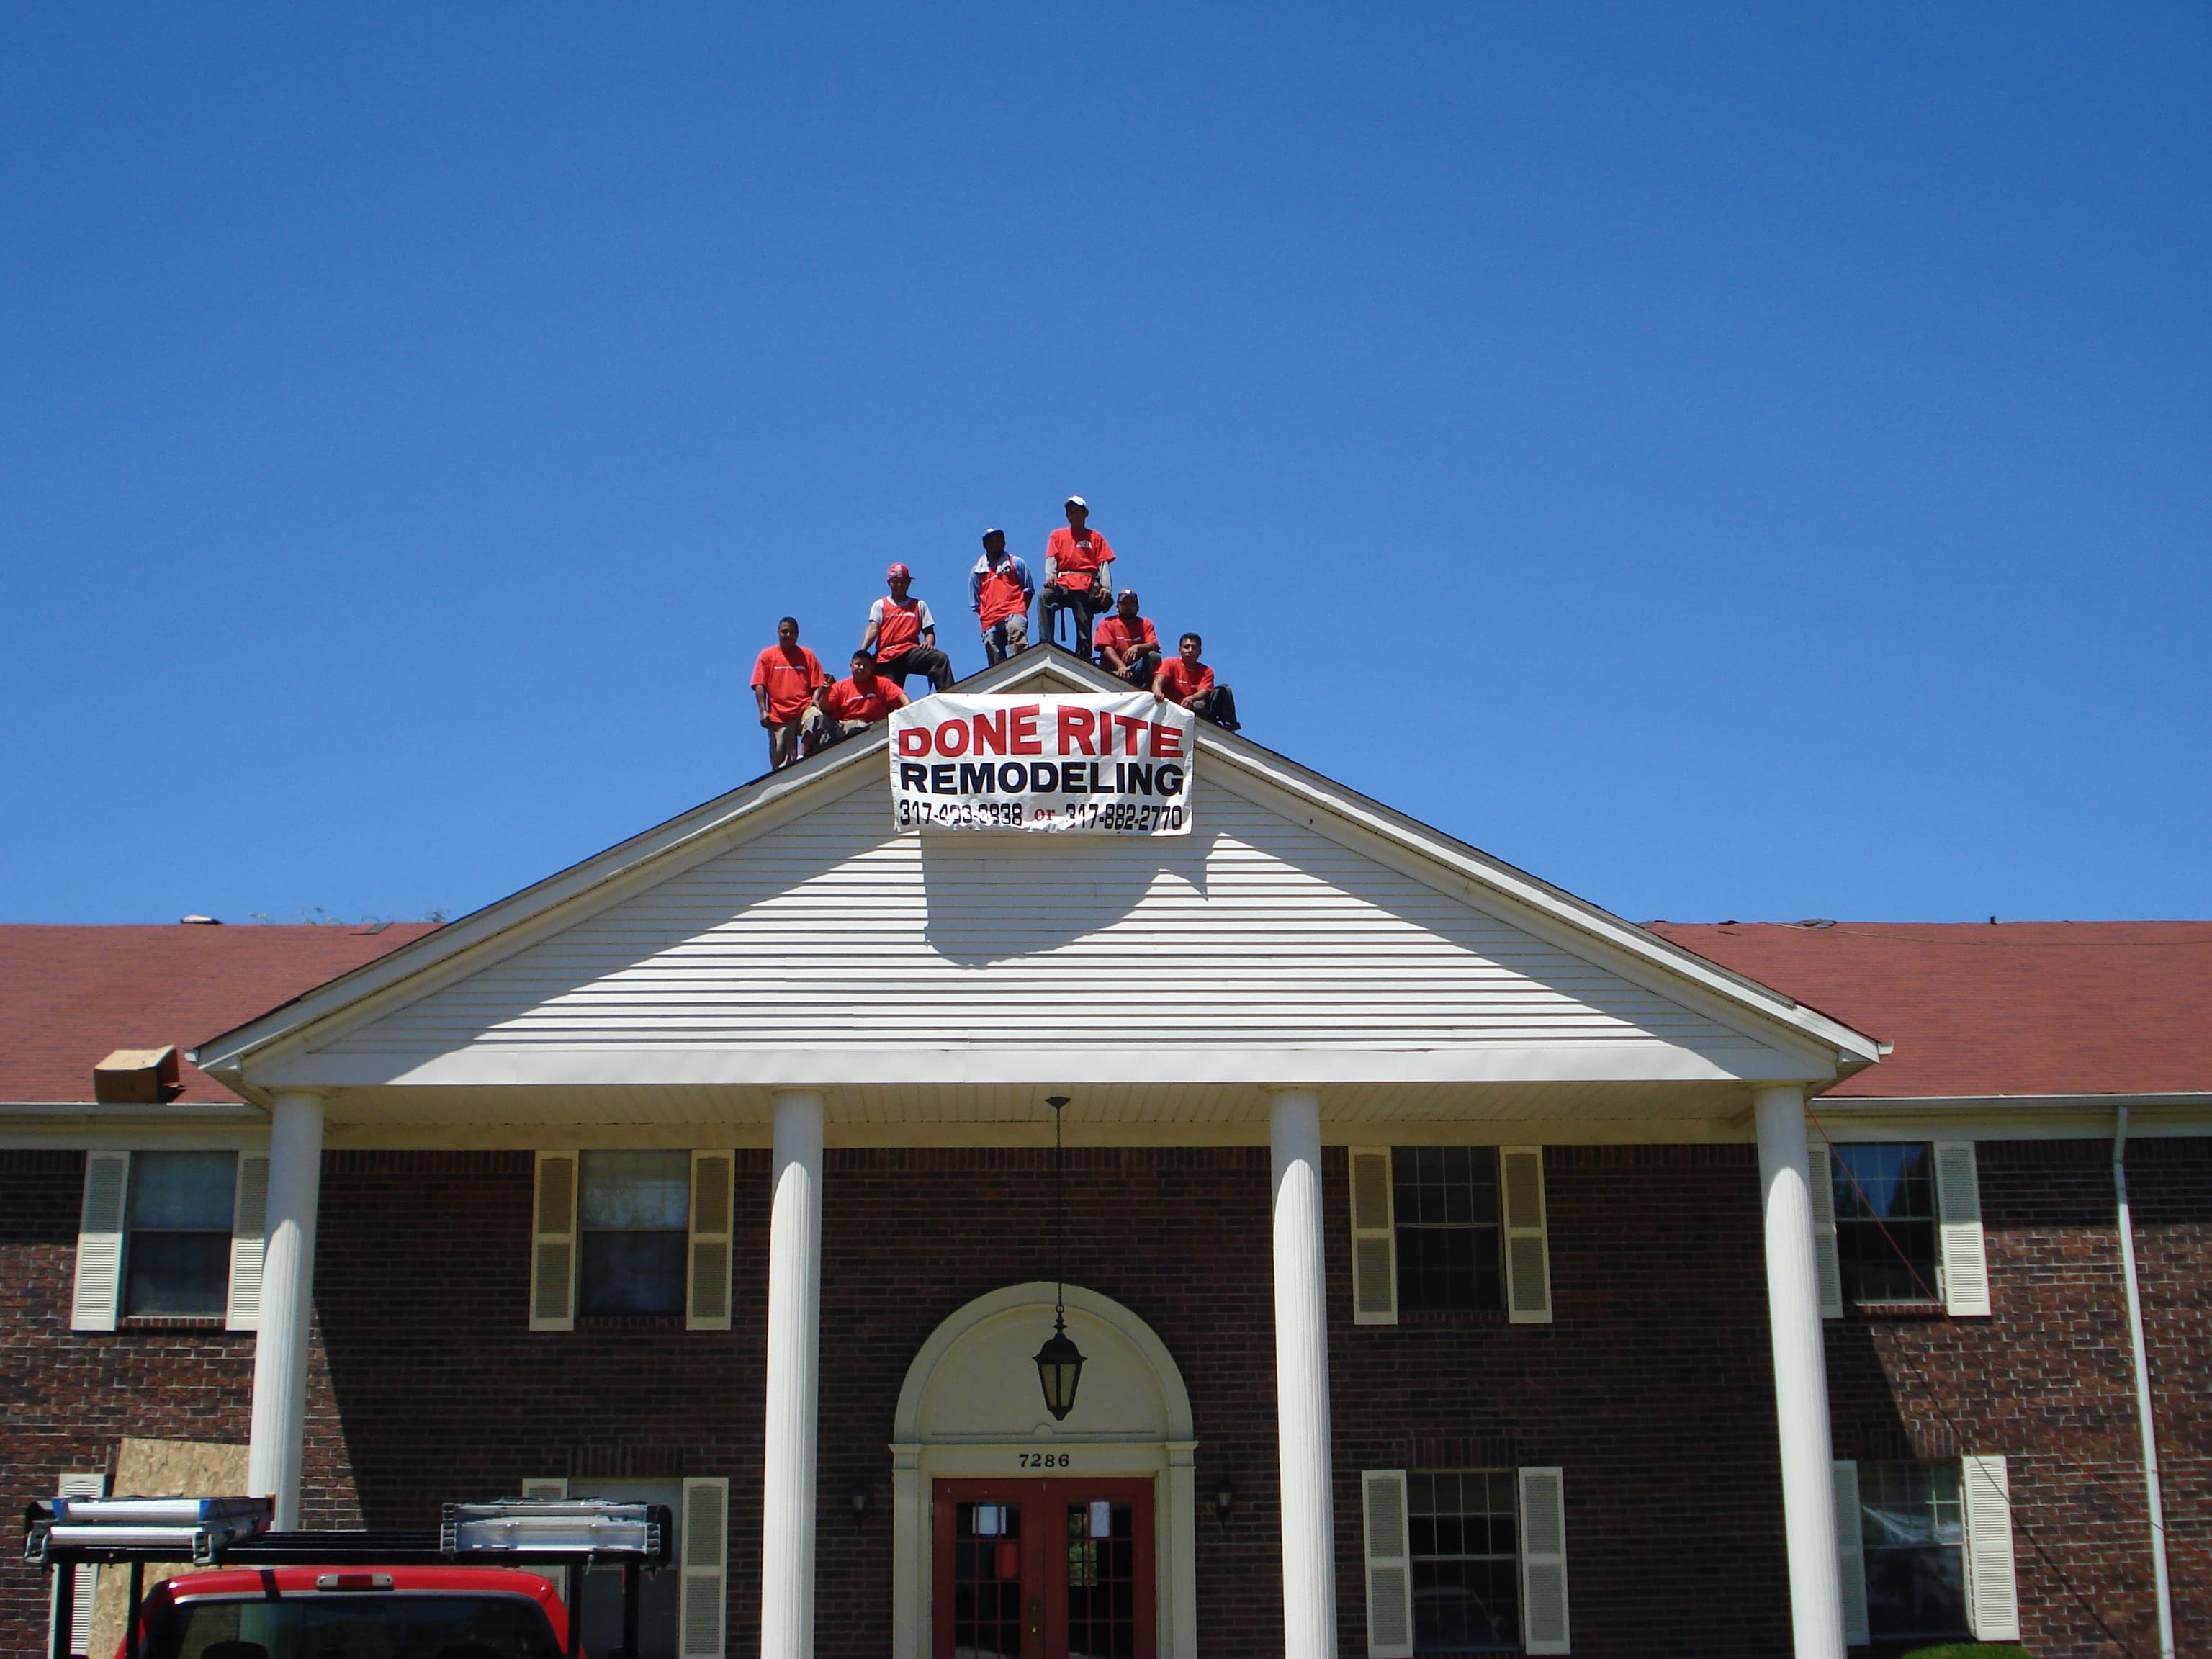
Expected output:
(366, 1625)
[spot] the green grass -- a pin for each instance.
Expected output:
(1972, 1651)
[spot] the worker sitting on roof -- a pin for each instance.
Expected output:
(1000, 589)
(785, 677)
(1183, 679)
(851, 705)
(1076, 577)
(904, 635)
(1129, 646)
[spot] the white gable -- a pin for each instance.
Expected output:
(831, 949)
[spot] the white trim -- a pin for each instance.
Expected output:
(1964, 1253)
(1992, 1593)
(84, 1594)
(1374, 1239)
(1387, 1555)
(917, 1460)
(704, 1595)
(1544, 1571)
(553, 1250)
(711, 1241)
(249, 1241)
(103, 1229)
(552, 1485)
(1827, 1258)
(1532, 1234)
(1850, 1554)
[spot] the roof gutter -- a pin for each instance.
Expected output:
(2156, 1502)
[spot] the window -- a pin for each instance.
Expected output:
(1912, 1528)
(1444, 1200)
(177, 1250)
(1886, 1221)
(634, 1215)
(1466, 1562)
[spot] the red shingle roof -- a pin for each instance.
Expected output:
(69, 996)
(2016, 1008)
(2020, 1008)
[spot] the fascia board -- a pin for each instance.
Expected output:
(534, 1065)
(2015, 1117)
(1531, 898)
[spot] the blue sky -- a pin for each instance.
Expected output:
(1733, 462)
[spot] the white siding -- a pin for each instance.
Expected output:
(834, 930)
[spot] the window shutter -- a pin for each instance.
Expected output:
(1390, 1563)
(1992, 1594)
(1958, 1210)
(1827, 1270)
(707, 1296)
(87, 1577)
(249, 1238)
(100, 1243)
(1850, 1555)
(1527, 1249)
(1374, 1239)
(552, 1486)
(553, 1244)
(706, 1568)
(1543, 1561)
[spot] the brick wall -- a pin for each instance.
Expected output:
(2048, 1382)
(1652, 1388)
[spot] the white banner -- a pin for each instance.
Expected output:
(1113, 765)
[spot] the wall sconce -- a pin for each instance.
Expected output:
(859, 1495)
(1224, 1499)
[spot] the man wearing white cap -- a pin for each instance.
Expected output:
(1076, 577)
(904, 635)
(1000, 589)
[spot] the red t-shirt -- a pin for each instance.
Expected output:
(846, 702)
(1179, 682)
(1076, 564)
(790, 679)
(898, 627)
(1112, 631)
(998, 595)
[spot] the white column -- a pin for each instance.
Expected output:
(794, 1341)
(287, 1282)
(1301, 1381)
(1800, 1377)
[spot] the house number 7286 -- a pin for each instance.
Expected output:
(1042, 1460)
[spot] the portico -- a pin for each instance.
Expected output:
(782, 972)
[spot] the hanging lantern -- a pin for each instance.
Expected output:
(1060, 1362)
(1060, 1365)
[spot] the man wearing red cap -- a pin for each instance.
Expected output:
(1076, 577)
(785, 676)
(904, 635)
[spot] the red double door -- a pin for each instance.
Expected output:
(1044, 1570)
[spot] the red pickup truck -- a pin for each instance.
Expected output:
(354, 1613)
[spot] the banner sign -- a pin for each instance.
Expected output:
(1116, 765)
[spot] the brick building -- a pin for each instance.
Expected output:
(1457, 1268)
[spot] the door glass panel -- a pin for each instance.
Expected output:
(987, 1581)
(1101, 1581)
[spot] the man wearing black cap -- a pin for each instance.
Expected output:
(1076, 577)
(1000, 589)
